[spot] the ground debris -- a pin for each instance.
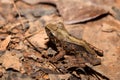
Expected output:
(28, 53)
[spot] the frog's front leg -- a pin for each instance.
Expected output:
(61, 53)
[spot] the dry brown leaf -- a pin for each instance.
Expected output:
(80, 12)
(11, 60)
(39, 40)
(4, 43)
(83, 10)
(37, 35)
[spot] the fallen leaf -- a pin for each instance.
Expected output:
(11, 59)
(4, 43)
(84, 10)
(36, 35)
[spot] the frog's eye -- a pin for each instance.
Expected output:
(60, 25)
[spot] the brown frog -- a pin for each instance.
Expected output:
(71, 45)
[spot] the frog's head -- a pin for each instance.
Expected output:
(55, 27)
(57, 30)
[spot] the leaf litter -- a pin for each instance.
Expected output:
(25, 51)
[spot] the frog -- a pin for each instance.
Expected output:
(66, 43)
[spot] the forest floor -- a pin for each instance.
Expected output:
(25, 54)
